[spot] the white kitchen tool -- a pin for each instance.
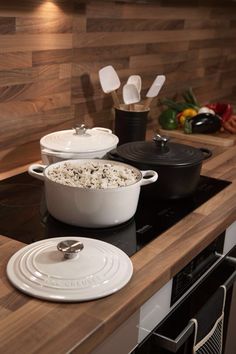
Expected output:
(135, 80)
(110, 82)
(154, 90)
(130, 95)
(69, 269)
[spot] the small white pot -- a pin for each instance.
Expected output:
(78, 143)
(93, 208)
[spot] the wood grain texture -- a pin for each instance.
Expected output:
(29, 325)
(219, 138)
(51, 51)
(35, 76)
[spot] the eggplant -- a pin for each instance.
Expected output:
(202, 123)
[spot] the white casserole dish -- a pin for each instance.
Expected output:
(78, 143)
(93, 208)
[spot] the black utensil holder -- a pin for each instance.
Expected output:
(130, 125)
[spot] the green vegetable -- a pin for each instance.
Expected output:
(177, 106)
(189, 97)
(168, 119)
(202, 123)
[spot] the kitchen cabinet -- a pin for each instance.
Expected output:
(230, 344)
(176, 329)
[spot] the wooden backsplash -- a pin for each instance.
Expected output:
(51, 51)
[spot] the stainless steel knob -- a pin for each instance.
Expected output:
(70, 248)
(161, 140)
(80, 129)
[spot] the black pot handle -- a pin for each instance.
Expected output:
(206, 153)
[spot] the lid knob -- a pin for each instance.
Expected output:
(80, 129)
(160, 140)
(70, 248)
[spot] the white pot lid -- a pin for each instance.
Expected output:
(42, 271)
(80, 140)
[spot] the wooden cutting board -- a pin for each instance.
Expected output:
(219, 138)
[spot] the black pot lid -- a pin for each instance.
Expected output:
(172, 154)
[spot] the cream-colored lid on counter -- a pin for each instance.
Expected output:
(42, 271)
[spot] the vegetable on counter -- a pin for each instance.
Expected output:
(177, 106)
(190, 116)
(176, 112)
(168, 119)
(190, 97)
(230, 124)
(187, 113)
(190, 101)
(202, 123)
(206, 110)
(224, 110)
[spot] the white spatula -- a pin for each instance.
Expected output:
(135, 80)
(154, 90)
(130, 95)
(110, 82)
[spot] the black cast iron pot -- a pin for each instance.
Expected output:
(178, 166)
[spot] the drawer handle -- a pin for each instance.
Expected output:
(229, 282)
(231, 260)
(174, 344)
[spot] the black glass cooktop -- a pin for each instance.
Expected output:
(24, 216)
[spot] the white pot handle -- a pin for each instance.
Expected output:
(62, 155)
(106, 130)
(149, 176)
(36, 170)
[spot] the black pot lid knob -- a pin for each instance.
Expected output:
(160, 140)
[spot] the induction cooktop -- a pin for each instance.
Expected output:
(24, 216)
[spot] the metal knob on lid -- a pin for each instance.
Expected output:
(80, 129)
(161, 140)
(70, 248)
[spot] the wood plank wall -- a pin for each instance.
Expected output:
(35, 75)
(51, 51)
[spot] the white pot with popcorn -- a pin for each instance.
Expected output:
(92, 192)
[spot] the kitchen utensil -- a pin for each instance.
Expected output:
(131, 95)
(77, 143)
(41, 270)
(130, 125)
(136, 81)
(154, 90)
(110, 82)
(178, 165)
(91, 207)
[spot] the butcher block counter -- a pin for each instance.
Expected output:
(29, 325)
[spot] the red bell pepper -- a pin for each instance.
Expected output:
(224, 110)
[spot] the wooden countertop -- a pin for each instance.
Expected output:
(29, 325)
